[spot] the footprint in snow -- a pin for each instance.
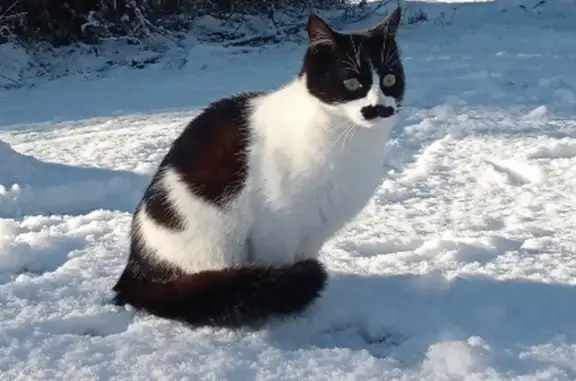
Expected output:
(357, 336)
(554, 151)
(374, 248)
(518, 173)
(96, 324)
(466, 249)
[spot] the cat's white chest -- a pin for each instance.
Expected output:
(304, 200)
(311, 172)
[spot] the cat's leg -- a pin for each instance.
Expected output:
(288, 241)
(311, 245)
(315, 238)
(273, 243)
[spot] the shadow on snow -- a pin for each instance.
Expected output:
(400, 317)
(51, 188)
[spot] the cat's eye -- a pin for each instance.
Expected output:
(389, 80)
(352, 84)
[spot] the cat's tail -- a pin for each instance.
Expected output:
(230, 297)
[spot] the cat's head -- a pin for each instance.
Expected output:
(356, 75)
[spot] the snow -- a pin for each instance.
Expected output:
(462, 266)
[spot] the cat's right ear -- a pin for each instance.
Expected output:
(389, 25)
(319, 33)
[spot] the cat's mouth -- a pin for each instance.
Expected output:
(377, 111)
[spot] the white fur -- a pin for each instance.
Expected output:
(312, 168)
(210, 235)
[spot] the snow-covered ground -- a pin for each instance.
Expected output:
(463, 266)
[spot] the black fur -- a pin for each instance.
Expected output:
(209, 155)
(159, 208)
(230, 298)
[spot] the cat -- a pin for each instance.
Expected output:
(229, 230)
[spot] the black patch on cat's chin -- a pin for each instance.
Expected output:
(373, 112)
(328, 62)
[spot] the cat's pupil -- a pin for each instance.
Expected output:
(352, 84)
(389, 80)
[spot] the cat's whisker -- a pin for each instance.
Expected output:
(350, 65)
(342, 128)
(351, 129)
(355, 52)
(353, 63)
(391, 63)
(359, 52)
(348, 130)
(392, 54)
(335, 142)
(336, 129)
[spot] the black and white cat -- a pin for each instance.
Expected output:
(229, 230)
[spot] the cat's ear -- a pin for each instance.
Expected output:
(319, 33)
(389, 25)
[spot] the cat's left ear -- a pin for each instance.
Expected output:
(389, 25)
(319, 33)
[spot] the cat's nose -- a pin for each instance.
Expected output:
(372, 112)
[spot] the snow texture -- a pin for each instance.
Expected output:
(462, 267)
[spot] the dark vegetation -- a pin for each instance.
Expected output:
(64, 22)
(36, 34)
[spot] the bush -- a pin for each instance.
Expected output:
(63, 22)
